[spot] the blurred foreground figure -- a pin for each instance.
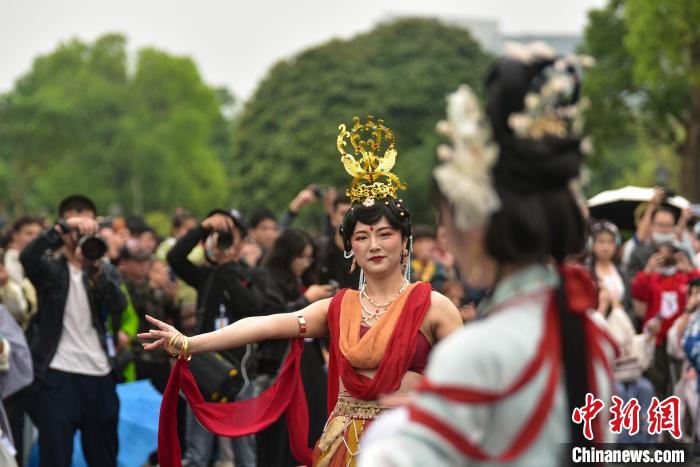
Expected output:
(503, 389)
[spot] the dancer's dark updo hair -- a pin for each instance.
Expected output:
(539, 218)
(394, 210)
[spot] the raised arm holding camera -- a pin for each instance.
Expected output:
(80, 301)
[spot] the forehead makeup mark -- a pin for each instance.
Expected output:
(371, 228)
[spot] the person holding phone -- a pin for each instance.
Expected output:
(660, 292)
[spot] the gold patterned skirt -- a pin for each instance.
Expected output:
(340, 442)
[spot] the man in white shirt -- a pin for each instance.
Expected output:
(80, 303)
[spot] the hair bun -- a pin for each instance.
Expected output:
(533, 108)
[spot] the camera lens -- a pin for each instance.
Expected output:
(93, 247)
(225, 240)
(319, 191)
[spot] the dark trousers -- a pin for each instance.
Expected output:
(14, 408)
(68, 402)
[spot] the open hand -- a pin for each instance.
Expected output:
(160, 336)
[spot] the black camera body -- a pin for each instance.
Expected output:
(319, 191)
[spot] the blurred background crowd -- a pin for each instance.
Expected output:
(198, 211)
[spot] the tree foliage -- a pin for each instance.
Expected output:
(645, 91)
(400, 72)
(82, 121)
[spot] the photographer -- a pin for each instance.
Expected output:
(333, 265)
(227, 290)
(72, 348)
(657, 226)
(310, 195)
(660, 289)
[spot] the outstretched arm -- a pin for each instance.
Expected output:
(245, 331)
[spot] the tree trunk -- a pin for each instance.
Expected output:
(690, 154)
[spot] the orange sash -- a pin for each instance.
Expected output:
(366, 353)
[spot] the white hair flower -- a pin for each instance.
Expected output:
(465, 178)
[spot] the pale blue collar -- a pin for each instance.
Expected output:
(525, 281)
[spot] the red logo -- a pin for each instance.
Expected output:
(626, 416)
(587, 413)
(665, 416)
(662, 415)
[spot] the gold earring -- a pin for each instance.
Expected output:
(404, 255)
(353, 265)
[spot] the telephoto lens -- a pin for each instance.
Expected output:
(224, 240)
(93, 247)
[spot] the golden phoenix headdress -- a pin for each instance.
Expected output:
(367, 172)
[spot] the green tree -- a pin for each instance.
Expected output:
(664, 40)
(399, 72)
(59, 116)
(644, 92)
(79, 121)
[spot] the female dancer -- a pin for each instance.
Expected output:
(506, 390)
(380, 334)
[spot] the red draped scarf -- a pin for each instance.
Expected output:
(286, 395)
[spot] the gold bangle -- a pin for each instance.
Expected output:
(171, 343)
(185, 345)
(173, 351)
(302, 324)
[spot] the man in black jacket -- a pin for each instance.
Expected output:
(227, 290)
(70, 337)
(333, 264)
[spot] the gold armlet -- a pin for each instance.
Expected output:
(302, 324)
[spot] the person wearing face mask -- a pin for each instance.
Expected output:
(661, 290)
(662, 228)
(228, 290)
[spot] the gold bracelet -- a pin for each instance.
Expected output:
(173, 352)
(171, 343)
(183, 352)
(302, 324)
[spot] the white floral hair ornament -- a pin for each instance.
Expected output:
(546, 112)
(464, 177)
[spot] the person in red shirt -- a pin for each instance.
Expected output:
(661, 290)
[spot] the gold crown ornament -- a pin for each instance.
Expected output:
(371, 167)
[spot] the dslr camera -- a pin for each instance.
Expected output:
(319, 191)
(224, 239)
(93, 247)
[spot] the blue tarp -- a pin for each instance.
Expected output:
(139, 406)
